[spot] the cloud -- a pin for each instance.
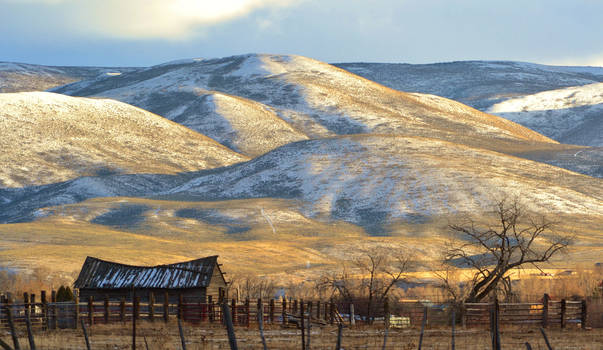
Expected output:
(586, 60)
(149, 19)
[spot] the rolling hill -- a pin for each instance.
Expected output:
(367, 180)
(268, 161)
(22, 77)
(571, 115)
(299, 206)
(48, 138)
(315, 98)
(562, 103)
(479, 84)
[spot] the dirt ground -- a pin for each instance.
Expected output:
(163, 337)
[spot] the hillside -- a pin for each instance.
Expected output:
(373, 181)
(243, 125)
(562, 103)
(479, 84)
(48, 138)
(315, 98)
(21, 77)
(571, 115)
(299, 206)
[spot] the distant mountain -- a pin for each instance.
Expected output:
(571, 115)
(479, 84)
(314, 98)
(563, 103)
(20, 77)
(49, 138)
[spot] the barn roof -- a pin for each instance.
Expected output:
(97, 273)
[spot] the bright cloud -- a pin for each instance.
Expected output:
(587, 60)
(140, 19)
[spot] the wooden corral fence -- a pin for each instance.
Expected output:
(543, 314)
(50, 314)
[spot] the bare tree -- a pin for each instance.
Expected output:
(516, 240)
(376, 273)
(252, 286)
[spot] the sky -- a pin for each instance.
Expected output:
(148, 32)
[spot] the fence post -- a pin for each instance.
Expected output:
(563, 312)
(284, 311)
(44, 309)
(233, 306)
(91, 310)
(352, 316)
(452, 341)
(318, 310)
(32, 305)
(30, 337)
(309, 326)
(166, 306)
(423, 322)
(301, 321)
(232, 339)
(136, 307)
(583, 315)
(54, 312)
(260, 314)
(26, 303)
(11, 325)
(106, 312)
(545, 310)
(386, 320)
(271, 310)
(180, 306)
(496, 322)
(76, 310)
(295, 307)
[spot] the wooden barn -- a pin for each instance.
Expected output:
(194, 280)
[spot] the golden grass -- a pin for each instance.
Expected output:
(160, 336)
(301, 249)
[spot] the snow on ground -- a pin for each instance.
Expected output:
(570, 115)
(375, 180)
(314, 98)
(50, 137)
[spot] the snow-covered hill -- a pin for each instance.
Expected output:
(316, 98)
(560, 102)
(378, 180)
(371, 181)
(20, 77)
(479, 84)
(243, 125)
(47, 138)
(571, 115)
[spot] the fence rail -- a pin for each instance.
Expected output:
(52, 315)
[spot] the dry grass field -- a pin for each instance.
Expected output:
(299, 249)
(163, 337)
